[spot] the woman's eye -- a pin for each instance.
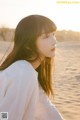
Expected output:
(53, 34)
(46, 36)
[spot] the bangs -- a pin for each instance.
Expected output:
(49, 27)
(46, 26)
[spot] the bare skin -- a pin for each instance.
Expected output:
(46, 47)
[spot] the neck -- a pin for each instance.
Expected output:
(36, 63)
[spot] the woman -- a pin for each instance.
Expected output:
(26, 74)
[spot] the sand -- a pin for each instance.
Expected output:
(66, 78)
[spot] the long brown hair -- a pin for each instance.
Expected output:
(26, 34)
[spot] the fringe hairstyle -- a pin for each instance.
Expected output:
(26, 34)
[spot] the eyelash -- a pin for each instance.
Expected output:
(48, 36)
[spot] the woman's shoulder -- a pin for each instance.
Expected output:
(20, 69)
(21, 66)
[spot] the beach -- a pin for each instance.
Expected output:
(66, 78)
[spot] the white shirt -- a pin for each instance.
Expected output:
(22, 97)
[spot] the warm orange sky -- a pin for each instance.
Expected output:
(66, 16)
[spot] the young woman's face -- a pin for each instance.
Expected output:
(46, 44)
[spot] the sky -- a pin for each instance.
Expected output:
(65, 15)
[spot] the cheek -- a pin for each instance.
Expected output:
(42, 47)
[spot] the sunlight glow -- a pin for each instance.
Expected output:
(66, 16)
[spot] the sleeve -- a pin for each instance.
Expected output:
(47, 110)
(19, 96)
